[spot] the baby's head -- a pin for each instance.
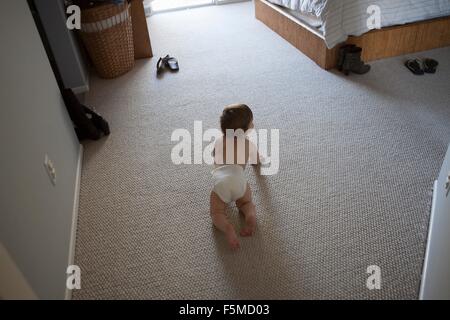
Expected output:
(236, 116)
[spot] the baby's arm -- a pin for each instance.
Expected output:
(255, 158)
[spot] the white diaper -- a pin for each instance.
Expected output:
(229, 182)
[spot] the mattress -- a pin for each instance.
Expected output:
(343, 18)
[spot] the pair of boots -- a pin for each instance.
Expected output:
(349, 59)
(88, 123)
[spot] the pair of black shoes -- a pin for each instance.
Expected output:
(420, 66)
(88, 124)
(349, 60)
(168, 62)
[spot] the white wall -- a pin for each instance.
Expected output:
(35, 216)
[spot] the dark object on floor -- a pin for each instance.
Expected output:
(353, 63)
(160, 66)
(342, 52)
(172, 63)
(415, 66)
(430, 65)
(98, 121)
(167, 62)
(88, 124)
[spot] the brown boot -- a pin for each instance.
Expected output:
(353, 62)
(342, 52)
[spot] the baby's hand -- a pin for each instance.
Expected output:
(262, 161)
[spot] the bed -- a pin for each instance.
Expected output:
(318, 27)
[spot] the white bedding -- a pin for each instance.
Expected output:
(342, 18)
(306, 17)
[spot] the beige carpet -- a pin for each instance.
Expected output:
(358, 158)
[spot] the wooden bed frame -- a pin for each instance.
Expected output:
(376, 44)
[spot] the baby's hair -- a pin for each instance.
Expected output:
(236, 116)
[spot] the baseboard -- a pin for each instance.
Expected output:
(427, 250)
(73, 232)
(221, 2)
(195, 6)
(82, 89)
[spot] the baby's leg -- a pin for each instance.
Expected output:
(247, 207)
(220, 221)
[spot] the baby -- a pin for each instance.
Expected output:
(231, 153)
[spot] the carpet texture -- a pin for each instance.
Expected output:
(358, 157)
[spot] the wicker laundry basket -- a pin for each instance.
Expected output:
(107, 34)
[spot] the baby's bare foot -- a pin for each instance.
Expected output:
(250, 221)
(232, 238)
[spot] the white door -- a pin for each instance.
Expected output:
(436, 271)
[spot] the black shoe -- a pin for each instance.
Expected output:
(415, 66)
(167, 62)
(353, 62)
(160, 66)
(430, 65)
(98, 121)
(101, 124)
(171, 63)
(342, 52)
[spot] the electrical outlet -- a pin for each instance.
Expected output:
(50, 168)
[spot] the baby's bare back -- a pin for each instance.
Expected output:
(235, 150)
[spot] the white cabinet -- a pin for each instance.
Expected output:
(436, 272)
